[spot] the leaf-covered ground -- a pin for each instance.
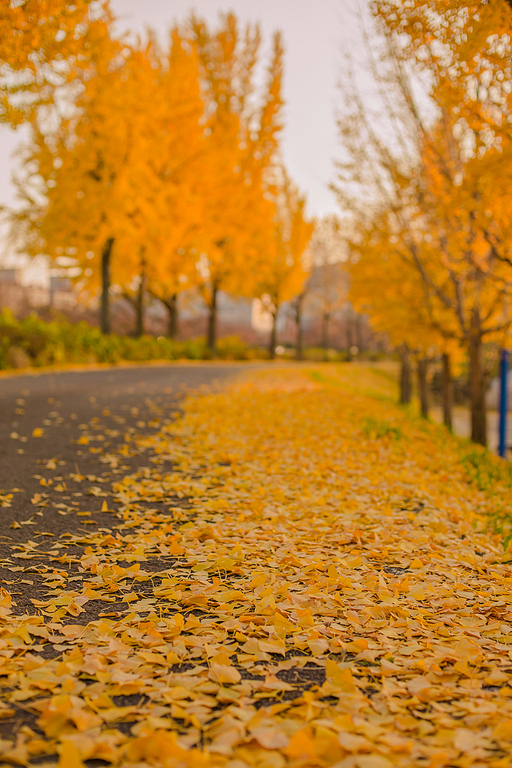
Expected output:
(320, 590)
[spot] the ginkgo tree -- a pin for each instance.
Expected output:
(245, 123)
(79, 177)
(155, 201)
(113, 184)
(168, 192)
(385, 285)
(284, 266)
(437, 171)
(178, 213)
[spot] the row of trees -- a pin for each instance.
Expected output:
(427, 177)
(157, 169)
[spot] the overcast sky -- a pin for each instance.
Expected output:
(314, 32)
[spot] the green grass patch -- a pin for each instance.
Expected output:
(318, 377)
(379, 428)
(485, 470)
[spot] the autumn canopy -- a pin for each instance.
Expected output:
(433, 153)
(185, 188)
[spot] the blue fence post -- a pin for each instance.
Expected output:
(504, 362)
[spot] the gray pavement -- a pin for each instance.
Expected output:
(47, 481)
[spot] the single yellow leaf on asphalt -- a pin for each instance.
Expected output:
(503, 731)
(271, 738)
(318, 646)
(272, 646)
(221, 673)
(158, 745)
(466, 740)
(357, 646)
(301, 746)
(339, 677)
(354, 743)
(417, 591)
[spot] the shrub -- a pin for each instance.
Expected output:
(32, 341)
(232, 348)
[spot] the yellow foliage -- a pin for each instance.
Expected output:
(46, 43)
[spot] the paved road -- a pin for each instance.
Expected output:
(81, 416)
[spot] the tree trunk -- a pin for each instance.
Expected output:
(447, 392)
(360, 333)
(405, 375)
(139, 306)
(423, 385)
(477, 385)
(172, 316)
(348, 332)
(325, 335)
(212, 321)
(298, 320)
(273, 335)
(105, 285)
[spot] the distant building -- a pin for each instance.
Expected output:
(235, 316)
(27, 284)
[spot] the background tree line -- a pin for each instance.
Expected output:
(425, 173)
(153, 167)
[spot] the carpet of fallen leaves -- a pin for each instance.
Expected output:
(325, 594)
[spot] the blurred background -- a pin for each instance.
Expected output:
(281, 179)
(305, 144)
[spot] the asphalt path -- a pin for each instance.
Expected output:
(59, 438)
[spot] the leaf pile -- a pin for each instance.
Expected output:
(320, 591)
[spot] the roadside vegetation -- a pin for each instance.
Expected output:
(35, 343)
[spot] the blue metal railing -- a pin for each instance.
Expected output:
(504, 366)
